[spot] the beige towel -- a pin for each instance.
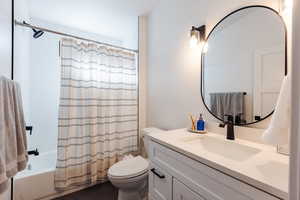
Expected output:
(13, 144)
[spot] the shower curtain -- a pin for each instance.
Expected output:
(97, 112)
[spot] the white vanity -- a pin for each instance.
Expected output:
(186, 166)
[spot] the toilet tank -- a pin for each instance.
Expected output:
(145, 132)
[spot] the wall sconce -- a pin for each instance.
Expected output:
(197, 36)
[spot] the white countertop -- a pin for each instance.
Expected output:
(261, 166)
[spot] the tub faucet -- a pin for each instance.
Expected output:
(34, 152)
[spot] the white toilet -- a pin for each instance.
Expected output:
(130, 176)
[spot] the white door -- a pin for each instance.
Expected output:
(268, 74)
(160, 184)
(182, 192)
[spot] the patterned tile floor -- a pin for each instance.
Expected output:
(105, 191)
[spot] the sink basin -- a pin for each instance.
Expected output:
(222, 147)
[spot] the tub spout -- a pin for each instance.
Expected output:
(34, 152)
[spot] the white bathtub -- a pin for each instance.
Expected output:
(37, 181)
(45, 162)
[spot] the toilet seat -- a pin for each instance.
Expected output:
(129, 168)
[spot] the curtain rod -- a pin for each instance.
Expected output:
(73, 36)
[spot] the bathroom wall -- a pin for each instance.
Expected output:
(173, 67)
(5, 38)
(22, 38)
(294, 182)
(113, 18)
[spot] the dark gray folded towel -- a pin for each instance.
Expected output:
(231, 103)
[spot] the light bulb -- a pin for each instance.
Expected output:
(193, 41)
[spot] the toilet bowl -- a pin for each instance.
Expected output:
(130, 175)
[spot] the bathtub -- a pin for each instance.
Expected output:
(37, 181)
(45, 162)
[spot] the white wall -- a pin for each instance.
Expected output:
(114, 18)
(22, 55)
(174, 68)
(5, 38)
(294, 191)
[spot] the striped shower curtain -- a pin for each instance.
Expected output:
(97, 112)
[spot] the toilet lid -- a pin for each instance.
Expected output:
(129, 168)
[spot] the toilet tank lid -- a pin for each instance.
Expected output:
(129, 167)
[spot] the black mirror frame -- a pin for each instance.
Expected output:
(203, 57)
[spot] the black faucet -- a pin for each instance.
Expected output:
(34, 152)
(230, 127)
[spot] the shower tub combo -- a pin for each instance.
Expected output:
(37, 181)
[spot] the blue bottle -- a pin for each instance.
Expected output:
(200, 124)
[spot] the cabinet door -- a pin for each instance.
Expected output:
(182, 192)
(206, 181)
(160, 184)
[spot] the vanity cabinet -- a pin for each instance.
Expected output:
(182, 192)
(160, 184)
(175, 176)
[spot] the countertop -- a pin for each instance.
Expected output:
(263, 168)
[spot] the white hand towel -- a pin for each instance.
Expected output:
(13, 144)
(278, 130)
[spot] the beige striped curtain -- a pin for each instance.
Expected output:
(97, 112)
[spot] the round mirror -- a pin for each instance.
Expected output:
(243, 65)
